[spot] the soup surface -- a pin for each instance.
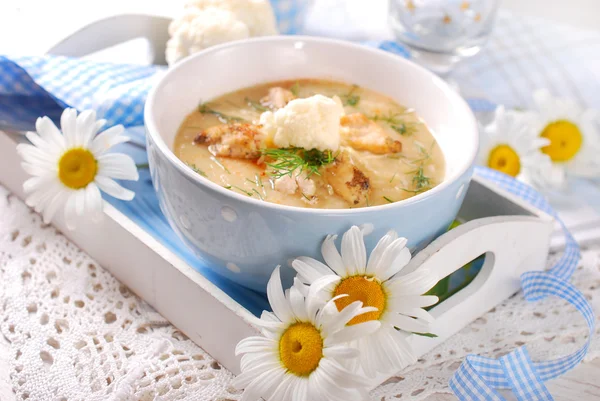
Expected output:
(386, 153)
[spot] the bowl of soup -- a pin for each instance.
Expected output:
(260, 148)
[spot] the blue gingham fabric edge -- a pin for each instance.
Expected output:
(479, 377)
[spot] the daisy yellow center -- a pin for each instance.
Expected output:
(505, 159)
(565, 140)
(301, 348)
(365, 289)
(77, 168)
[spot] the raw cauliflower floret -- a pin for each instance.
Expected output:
(309, 123)
(206, 23)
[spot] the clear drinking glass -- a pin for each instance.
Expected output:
(442, 32)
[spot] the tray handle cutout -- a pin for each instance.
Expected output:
(511, 245)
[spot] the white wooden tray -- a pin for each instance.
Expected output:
(514, 236)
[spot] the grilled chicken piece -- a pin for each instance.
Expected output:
(363, 134)
(242, 141)
(277, 98)
(348, 181)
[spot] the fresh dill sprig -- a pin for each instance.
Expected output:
(390, 118)
(350, 99)
(242, 190)
(288, 160)
(388, 199)
(218, 163)
(295, 88)
(196, 169)
(420, 180)
(256, 105)
(258, 193)
(404, 128)
(204, 108)
(394, 176)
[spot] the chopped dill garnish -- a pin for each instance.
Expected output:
(404, 128)
(388, 199)
(394, 176)
(214, 159)
(204, 108)
(288, 160)
(390, 118)
(307, 198)
(250, 181)
(258, 193)
(420, 180)
(350, 99)
(256, 105)
(295, 88)
(227, 186)
(196, 169)
(242, 190)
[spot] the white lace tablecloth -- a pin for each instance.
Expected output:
(73, 332)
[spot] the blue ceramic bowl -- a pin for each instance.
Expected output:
(243, 238)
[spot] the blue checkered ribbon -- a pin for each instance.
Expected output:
(479, 378)
(34, 86)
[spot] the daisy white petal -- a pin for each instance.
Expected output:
(351, 332)
(354, 253)
(393, 260)
(107, 139)
(309, 269)
(93, 202)
(412, 301)
(68, 124)
(86, 127)
(50, 133)
(332, 256)
(53, 206)
(297, 303)
(314, 301)
(70, 215)
(37, 183)
(376, 255)
(283, 388)
(277, 299)
(113, 189)
(117, 165)
(31, 154)
(79, 202)
(342, 352)
(414, 283)
(35, 169)
(407, 323)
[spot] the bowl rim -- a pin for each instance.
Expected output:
(152, 130)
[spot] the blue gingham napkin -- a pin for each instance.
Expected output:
(34, 86)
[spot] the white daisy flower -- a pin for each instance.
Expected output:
(572, 133)
(300, 356)
(510, 145)
(376, 283)
(71, 168)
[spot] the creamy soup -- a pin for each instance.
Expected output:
(386, 152)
